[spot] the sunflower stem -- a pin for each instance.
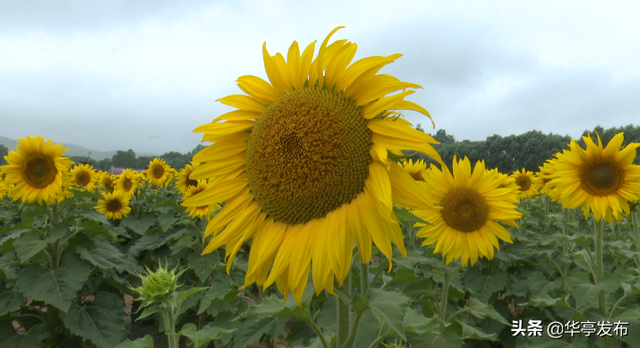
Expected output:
(445, 295)
(344, 315)
(599, 263)
(565, 242)
(364, 279)
(634, 226)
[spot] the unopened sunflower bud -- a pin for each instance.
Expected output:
(158, 285)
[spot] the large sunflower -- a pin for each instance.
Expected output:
(602, 180)
(115, 205)
(303, 166)
(466, 211)
(38, 170)
(84, 176)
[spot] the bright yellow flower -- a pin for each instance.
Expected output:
(466, 211)
(601, 180)
(127, 182)
(114, 206)
(158, 172)
(524, 179)
(106, 180)
(303, 166)
(84, 176)
(203, 211)
(184, 183)
(38, 170)
(416, 169)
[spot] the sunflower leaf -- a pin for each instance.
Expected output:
(100, 321)
(10, 301)
(389, 308)
(203, 336)
(31, 338)
(145, 342)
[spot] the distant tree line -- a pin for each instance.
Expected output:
(514, 152)
(128, 159)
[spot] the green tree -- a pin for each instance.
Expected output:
(124, 159)
(3, 152)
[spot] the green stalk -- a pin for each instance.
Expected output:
(445, 295)
(634, 227)
(565, 243)
(344, 315)
(364, 279)
(599, 263)
(170, 326)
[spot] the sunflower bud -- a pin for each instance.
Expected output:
(158, 285)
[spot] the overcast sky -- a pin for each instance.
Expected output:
(123, 74)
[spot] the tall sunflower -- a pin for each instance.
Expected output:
(158, 172)
(524, 179)
(466, 211)
(601, 180)
(127, 182)
(84, 176)
(106, 180)
(303, 166)
(114, 206)
(38, 170)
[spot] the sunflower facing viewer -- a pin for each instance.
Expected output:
(601, 180)
(467, 208)
(303, 166)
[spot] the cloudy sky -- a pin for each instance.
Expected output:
(123, 74)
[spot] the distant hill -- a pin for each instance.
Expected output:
(74, 150)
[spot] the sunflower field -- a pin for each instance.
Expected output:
(305, 223)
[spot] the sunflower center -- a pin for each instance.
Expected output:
(158, 172)
(464, 209)
(114, 206)
(308, 154)
(83, 179)
(524, 183)
(40, 171)
(127, 184)
(601, 178)
(191, 182)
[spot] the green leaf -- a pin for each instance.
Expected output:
(447, 340)
(470, 332)
(273, 307)
(203, 265)
(389, 308)
(31, 338)
(147, 242)
(100, 321)
(95, 216)
(481, 310)
(406, 216)
(28, 245)
(165, 221)
(204, 335)
(216, 292)
(105, 256)
(415, 321)
(583, 290)
(251, 330)
(145, 342)
(486, 285)
(55, 287)
(10, 301)
(139, 226)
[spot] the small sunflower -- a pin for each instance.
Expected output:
(127, 182)
(158, 172)
(38, 170)
(184, 183)
(114, 206)
(506, 181)
(601, 180)
(467, 209)
(106, 180)
(524, 179)
(416, 169)
(84, 176)
(3, 189)
(203, 211)
(544, 176)
(303, 166)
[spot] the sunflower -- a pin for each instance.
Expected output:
(114, 206)
(524, 179)
(106, 180)
(467, 209)
(303, 166)
(3, 189)
(203, 211)
(600, 180)
(38, 170)
(158, 172)
(84, 176)
(415, 169)
(506, 181)
(184, 183)
(544, 176)
(127, 182)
